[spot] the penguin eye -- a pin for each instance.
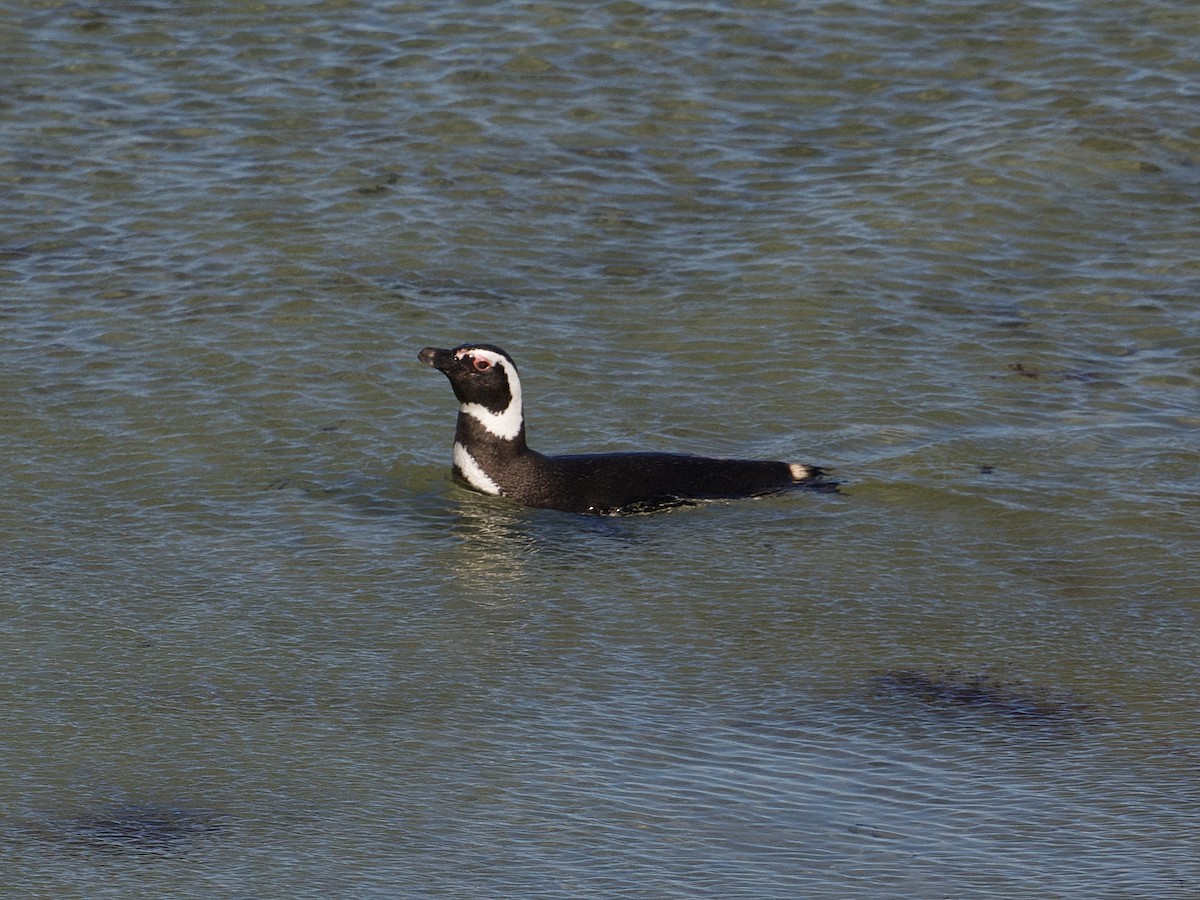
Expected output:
(480, 364)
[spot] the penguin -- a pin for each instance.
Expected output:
(491, 456)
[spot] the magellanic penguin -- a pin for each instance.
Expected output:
(490, 454)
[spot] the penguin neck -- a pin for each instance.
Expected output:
(503, 434)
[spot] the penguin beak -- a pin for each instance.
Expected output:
(437, 358)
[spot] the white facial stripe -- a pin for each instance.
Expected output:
(472, 472)
(506, 424)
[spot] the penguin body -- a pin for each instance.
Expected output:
(491, 456)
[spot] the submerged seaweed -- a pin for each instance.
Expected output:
(985, 693)
(135, 828)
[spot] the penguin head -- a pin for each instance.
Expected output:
(485, 381)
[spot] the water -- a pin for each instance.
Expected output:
(256, 644)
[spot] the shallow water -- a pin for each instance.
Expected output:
(946, 249)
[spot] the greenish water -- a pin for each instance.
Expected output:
(254, 641)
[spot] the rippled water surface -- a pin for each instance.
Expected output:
(256, 643)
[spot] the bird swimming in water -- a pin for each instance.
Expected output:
(491, 456)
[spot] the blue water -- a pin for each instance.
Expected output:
(255, 641)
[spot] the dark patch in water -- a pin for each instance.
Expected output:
(602, 152)
(1024, 371)
(418, 289)
(364, 497)
(955, 690)
(133, 828)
